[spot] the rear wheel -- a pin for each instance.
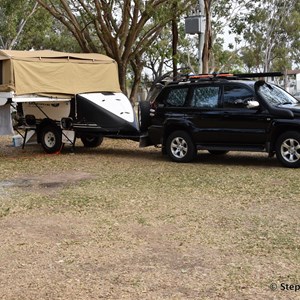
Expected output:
(51, 138)
(288, 149)
(180, 147)
(92, 141)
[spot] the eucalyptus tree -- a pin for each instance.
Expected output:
(24, 25)
(270, 30)
(124, 30)
(13, 18)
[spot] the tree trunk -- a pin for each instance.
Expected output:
(137, 67)
(174, 42)
(122, 70)
(207, 38)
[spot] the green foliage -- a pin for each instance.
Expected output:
(268, 30)
(24, 25)
(271, 37)
(44, 32)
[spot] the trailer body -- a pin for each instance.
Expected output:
(63, 96)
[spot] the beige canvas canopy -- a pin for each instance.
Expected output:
(52, 72)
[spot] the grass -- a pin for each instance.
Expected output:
(139, 226)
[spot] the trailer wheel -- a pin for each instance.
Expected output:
(92, 141)
(51, 138)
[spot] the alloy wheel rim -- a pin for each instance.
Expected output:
(290, 150)
(179, 147)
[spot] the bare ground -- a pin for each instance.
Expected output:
(119, 222)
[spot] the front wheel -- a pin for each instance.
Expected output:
(288, 149)
(180, 147)
(51, 138)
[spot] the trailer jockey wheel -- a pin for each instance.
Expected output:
(51, 138)
(91, 141)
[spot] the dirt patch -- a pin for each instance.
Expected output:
(46, 183)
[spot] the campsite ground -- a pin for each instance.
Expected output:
(119, 222)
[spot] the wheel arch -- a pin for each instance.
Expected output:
(175, 126)
(278, 131)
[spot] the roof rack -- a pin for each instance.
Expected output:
(185, 78)
(233, 76)
(262, 74)
(210, 76)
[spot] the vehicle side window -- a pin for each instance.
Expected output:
(205, 97)
(236, 96)
(176, 97)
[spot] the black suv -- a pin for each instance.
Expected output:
(222, 113)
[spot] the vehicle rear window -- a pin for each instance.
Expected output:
(176, 97)
(206, 97)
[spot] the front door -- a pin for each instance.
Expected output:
(243, 122)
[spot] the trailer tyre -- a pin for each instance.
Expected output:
(91, 141)
(51, 138)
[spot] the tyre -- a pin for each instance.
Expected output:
(51, 138)
(288, 149)
(218, 152)
(180, 147)
(144, 115)
(92, 141)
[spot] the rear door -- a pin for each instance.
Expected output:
(170, 106)
(205, 112)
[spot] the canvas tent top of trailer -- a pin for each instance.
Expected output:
(48, 72)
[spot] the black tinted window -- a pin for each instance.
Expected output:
(176, 97)
(206, 97)
(236, 96)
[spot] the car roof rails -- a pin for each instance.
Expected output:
(234, 76)
(209, 76)
(258, 75)
(166, 79)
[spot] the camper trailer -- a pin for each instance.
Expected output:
(59, 97)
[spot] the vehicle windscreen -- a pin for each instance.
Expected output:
(275, 95)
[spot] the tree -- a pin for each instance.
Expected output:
(14, 15)
(268, 32)
(124, 30)
(24, 25)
